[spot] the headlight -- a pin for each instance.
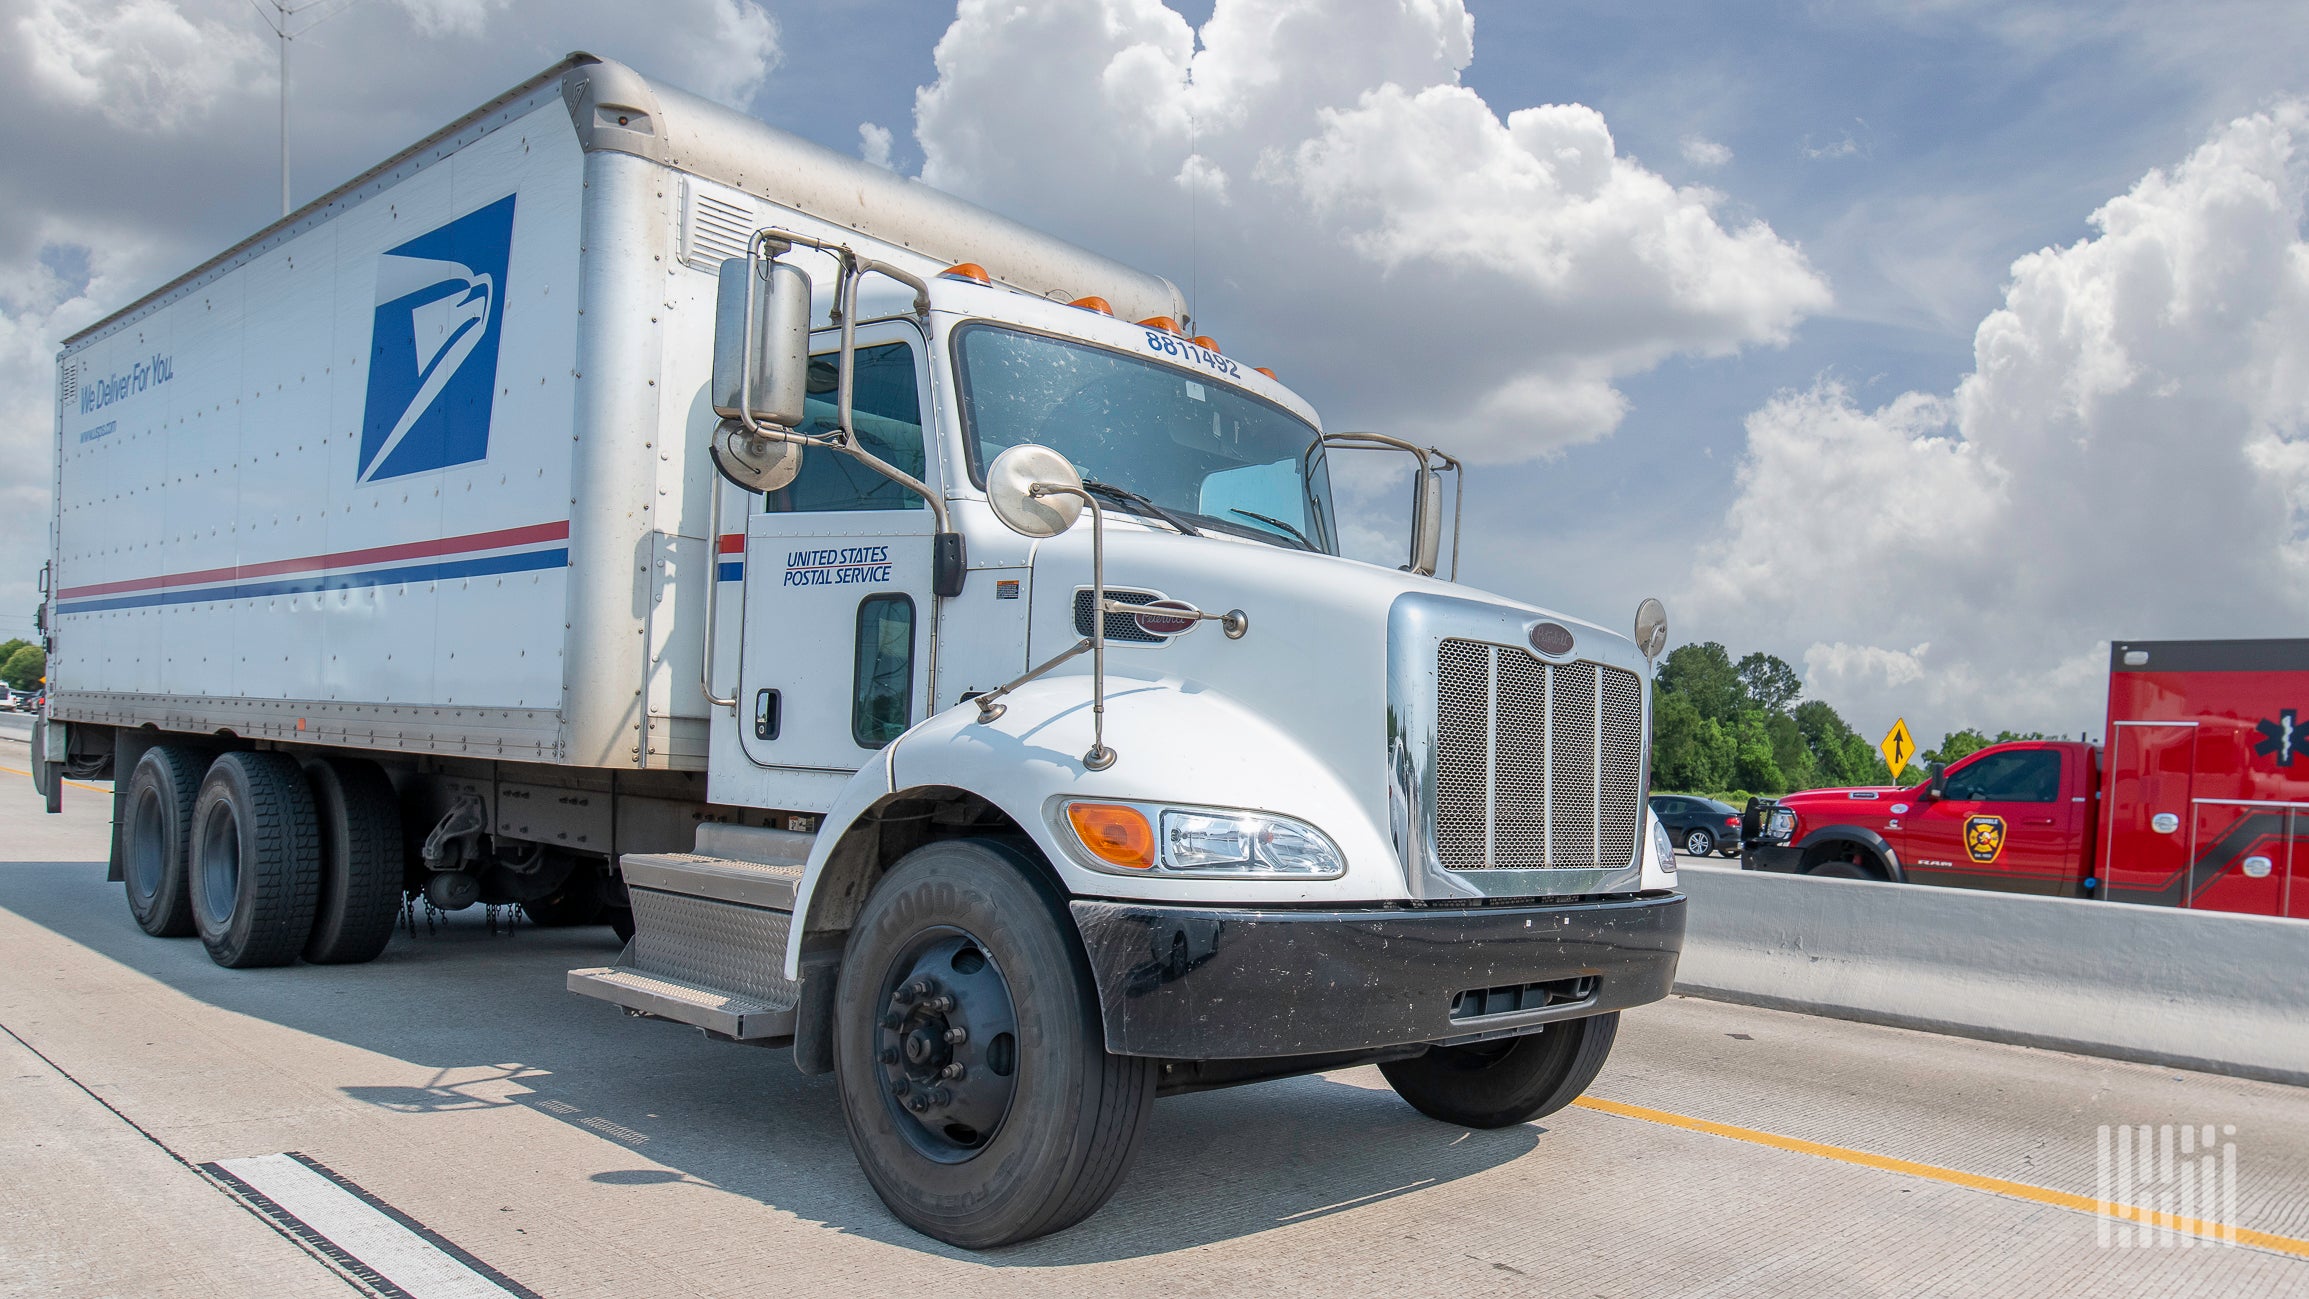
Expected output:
(1120, 837)
(1664, 846)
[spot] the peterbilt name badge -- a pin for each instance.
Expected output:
(1551, 639)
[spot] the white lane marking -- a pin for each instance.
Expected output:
(415, 1266)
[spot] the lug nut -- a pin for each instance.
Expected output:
(893, 1020)
(901, 1087)
(939, 1004)
(957, 1036)
(939, 1096)
(887, 1055)
(918, 1104)
(953, 1071)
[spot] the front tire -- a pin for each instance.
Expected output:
(156, 837)
(1514, 1080)
(1842, 870)
(963, 956)
(256, 869)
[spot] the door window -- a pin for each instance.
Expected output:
(886, 411)
(2014, 776)
(882, 688)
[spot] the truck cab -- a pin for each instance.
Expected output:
(2014, 817)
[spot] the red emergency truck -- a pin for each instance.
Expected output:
(2200, 797)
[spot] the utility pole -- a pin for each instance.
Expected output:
(283, 21)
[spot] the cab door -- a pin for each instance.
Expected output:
(837, 575)
(2005, 821)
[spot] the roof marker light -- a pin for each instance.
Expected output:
(1265, 371)
(1163, 323)
(1094, 303)
(970, 271)
(1207, 343)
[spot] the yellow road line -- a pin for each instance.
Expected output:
(2200, 1227)
(74, 783)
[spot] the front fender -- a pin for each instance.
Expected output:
(1177, 742)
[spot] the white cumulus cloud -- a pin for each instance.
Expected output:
(1700, 151)
(142, 65)
(2129, 459)
(1317, 177)
(874, 143)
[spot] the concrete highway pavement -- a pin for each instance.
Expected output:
(1724, 1150)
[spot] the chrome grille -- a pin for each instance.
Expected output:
(1538, 766)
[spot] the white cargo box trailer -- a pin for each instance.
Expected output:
(616, 507)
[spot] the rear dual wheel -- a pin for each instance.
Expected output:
(969, 1053)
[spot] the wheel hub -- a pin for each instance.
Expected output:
(947, 1046)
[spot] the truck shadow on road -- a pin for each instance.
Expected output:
(489, 1017)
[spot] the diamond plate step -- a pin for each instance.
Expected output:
(685, 1002)
(723, 879)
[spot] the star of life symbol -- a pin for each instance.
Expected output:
(2282, 738)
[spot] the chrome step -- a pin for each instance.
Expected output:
(723, 879)
(683, 1001)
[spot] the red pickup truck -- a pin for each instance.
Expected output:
(2200, 799)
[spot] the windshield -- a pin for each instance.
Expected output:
(1210, 457)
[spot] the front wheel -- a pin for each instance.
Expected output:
(1512, 1080)
(968, 1050)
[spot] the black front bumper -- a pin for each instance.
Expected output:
(1197, 983)
(1782, 858)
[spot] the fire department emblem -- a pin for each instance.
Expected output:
(1983, 838)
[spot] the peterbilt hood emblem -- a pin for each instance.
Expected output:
(1551, 639)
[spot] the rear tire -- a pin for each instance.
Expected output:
(156, 838)
(1699, 843)
(1502, 1083)
(361, 864)
(577, 902)
(1037, 1131)
(256, 869)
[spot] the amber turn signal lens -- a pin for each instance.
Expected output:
(970, 271)
(1265, 371)
(1163, 323)
(1094, 303)
(1207, 343)
(1116, 835)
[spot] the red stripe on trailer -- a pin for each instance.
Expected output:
(733, 543)
(536, 532)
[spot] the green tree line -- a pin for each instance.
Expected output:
(1735, 728)
(22, 664)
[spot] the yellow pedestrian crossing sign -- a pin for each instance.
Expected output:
(1898, 746)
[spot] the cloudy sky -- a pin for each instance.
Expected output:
(1927, 345)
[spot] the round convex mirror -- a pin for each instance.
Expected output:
(1010, 482)
(758, 464)
(1651, 627)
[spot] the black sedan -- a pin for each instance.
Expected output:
(1699, 826)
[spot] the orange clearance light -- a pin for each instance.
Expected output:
(970, 271)
(1265, 371)
(1163, 323)
(1116, 835)
(1207, 343)
(1094, 303)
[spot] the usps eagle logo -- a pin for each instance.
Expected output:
(1983, 838)
(433, 352)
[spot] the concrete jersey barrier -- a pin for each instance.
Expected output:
(2196, 989)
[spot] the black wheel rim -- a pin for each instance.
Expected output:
(146, 844)
(220, 863)
(946, 1046)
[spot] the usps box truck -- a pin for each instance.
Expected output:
(927, 650)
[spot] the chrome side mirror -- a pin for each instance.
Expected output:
(761, 343)
(1426, 520)
(1010, 484)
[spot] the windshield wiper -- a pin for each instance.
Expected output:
(1129, 497)
(1297, 535)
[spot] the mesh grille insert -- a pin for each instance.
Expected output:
(1119, 626)
(1537, 765)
